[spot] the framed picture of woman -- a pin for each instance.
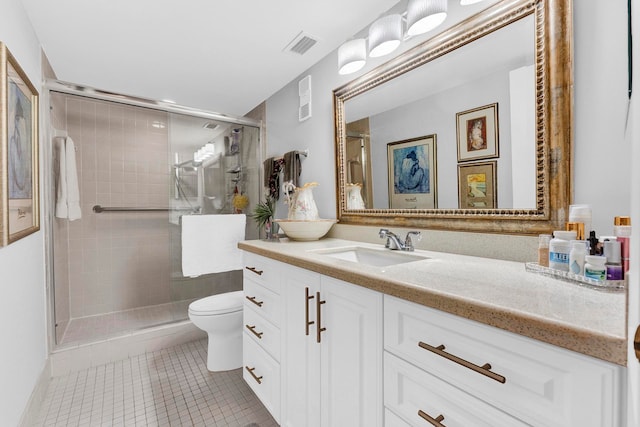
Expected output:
(19, 196)
(477, 133)
(412, 173)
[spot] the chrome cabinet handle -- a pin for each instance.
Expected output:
(254, 270)
(319, 328)
(484, 369)
(307, 322)
(256, 302)
(433, 421)
(255, 377)
(253, 331)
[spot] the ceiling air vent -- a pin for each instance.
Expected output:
(301, 44)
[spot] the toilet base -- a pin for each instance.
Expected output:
(224, 354)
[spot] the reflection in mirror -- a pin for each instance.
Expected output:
(495, 69)
(496, 92)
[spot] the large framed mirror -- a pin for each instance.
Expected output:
(494, 95)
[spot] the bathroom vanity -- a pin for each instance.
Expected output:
(334, 338)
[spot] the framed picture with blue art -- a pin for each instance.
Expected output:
(19, 192)
(412, 173)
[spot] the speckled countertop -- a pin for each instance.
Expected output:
(493, 292)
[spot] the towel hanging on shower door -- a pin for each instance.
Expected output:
(67, 192)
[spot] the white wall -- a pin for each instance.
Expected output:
(22, 285)
(602, 172)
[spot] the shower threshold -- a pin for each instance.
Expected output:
(89, 329)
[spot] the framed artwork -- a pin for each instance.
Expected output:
(412, 173)
(19, 192)
(477, 133)
(477, 186)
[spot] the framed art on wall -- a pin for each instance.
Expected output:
(477, 133)
(412, 173)
(477, 186)
(19, 192)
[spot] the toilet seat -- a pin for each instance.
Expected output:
(229, 302)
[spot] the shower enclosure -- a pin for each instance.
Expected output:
(118, 268)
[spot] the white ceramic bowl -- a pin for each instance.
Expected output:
(305, 230)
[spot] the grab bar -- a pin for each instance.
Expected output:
(100, 209)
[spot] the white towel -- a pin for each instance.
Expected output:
(68, 193)
(210, 243)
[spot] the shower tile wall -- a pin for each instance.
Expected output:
(116, 261)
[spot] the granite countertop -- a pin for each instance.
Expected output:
(494, 292)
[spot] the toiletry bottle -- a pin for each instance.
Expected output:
(593, 243)
(578, 227)
(559, 249)
(622, 231)
(581, 213)
(614, 260)
(576, 257)
(543, 249)
(594, 267)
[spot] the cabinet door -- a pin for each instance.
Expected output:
(351, 360)
(300, 359)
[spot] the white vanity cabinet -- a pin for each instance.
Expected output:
(261, 338)
(332, 355)
(460, 373)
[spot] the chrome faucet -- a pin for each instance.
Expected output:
(394, 242)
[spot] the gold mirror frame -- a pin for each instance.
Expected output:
(554, 122)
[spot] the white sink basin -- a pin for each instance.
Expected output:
(369, 256)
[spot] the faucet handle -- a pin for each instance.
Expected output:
(408, 242)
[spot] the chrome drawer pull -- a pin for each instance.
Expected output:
(253, 300)
(254, 270)
(433, 421)
(484, 369)
(253, 330)
(255, 377)
(307, 322)
(319, 328)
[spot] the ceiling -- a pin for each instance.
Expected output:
(225, 56)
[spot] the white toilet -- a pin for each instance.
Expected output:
(220, 316)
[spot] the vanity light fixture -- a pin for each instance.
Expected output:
(425, 15)
(352, 56)
(385, 35)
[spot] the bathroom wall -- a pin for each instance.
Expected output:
(22, 281)
(600, 113)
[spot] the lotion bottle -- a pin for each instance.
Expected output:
(576, 257)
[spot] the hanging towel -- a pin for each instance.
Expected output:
(67, 192)
(210, 243)
(272, 168)
(292, 167)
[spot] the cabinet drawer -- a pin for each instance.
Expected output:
(264, 301)
(261, 331)
(262, 373)
(543, 385)
(392, 420)
(262, 270)
(410, 392)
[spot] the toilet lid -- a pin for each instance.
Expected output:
(218, 304)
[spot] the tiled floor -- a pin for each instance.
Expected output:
(92, 328)
(170, 387)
